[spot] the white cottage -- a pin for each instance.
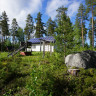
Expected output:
(41, 44)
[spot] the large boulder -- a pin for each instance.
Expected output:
(84, 59)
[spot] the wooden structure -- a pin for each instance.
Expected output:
(74, 71)
(23, 45)
(42, 44)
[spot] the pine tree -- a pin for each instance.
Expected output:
(77, 32)
(61, 10)
(91, 5)
(20, 34)
(14, 28)
(39, 26)
(64, 36)
(29, 26)
(50, 27)
(4, 25)
(82, 17)
(90, 30)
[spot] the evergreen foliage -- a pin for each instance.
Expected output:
(5, 25)
(20, 34)
(80, 30)
(91, 7)
(90, 32)
(48, 76)
(64, 32)
(29, 26)
(39, 26)
(82, 17)
(77, 32)
(14, 28)
(50, 27)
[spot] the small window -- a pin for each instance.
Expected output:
(34, 46)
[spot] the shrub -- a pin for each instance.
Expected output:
(87, 92)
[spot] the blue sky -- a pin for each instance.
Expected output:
(19, 9)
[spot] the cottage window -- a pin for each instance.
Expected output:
(34, 46)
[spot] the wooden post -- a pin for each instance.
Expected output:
(26, 47)
(50, 49)
(74, 71)
(40, 45)
(26, 44)
(31, 48)
(43, 48)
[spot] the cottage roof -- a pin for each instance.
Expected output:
(34, 40)
(37, 40)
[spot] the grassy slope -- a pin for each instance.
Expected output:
(35, 76)
(24, 67)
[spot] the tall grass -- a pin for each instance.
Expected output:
(48, 76)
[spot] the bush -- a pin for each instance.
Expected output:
(48, 76)
(8, 69)
(87, 92)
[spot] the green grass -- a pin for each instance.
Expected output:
(3, 54)
(37, 76)
(20, 73)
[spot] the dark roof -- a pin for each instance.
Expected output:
(34, 40)
(48, 38)
(37, 40)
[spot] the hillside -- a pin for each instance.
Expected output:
(35, 76)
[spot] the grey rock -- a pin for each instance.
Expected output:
(84, 59)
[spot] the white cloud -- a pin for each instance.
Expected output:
(73, 8)
(19, 9)
(53, 5)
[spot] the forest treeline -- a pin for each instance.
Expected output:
(68, 36)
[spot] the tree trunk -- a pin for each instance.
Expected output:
(40, 45)
(82, 30)
(64, 52)
(82, 36)
(2, 43)
(4, 38)
(92, 29)
(31, 48)
(13, 38)
(13, 42)
(26, 45)
(43, 49)
(50, 49)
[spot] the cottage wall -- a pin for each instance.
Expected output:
(36, 47)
